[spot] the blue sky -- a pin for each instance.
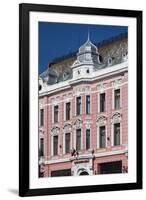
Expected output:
(58, 39)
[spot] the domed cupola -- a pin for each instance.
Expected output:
(88, 53)
(87, 60)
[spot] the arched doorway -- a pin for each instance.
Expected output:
(83, 173)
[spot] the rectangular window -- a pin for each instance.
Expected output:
(42, 117)
(55, 145)
(102, 137)
(78, 105)
(78, 139)
(88, 139)
(87, 104)
(117, 99)
(102, 102)
(68, 111)
(117, 134)
(56, 113)
(41, 152)
(67, 143)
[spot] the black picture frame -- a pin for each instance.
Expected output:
(24, 10)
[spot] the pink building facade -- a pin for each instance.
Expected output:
(83, 121)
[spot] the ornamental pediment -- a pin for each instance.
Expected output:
(116, 117)
(101, 121)
(78, 124)
(55, 130)
(67, 128)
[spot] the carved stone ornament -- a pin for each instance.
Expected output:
(67, 128)
(116, 84)
(116, 118)
(78, 124)
(102, 87)
(101, 121)
(55, 130)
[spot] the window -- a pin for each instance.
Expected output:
(102, 102)
(78, 139)
(67, 143)
(78, 105)
(102, 137)
(68, 111)
(87, 71)
(88, 139)
(42, 117)
(117, 99)
(55, 145)
(87, 104)
(117, 134)
(56, 113)
(41, 152)
(63, 172)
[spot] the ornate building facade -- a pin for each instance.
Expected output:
(83, 119)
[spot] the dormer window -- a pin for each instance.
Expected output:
(40, 87)
(87, 71)
(78, 72)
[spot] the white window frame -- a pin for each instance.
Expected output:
(76, 104)
(112, 131)
(99, 124)
(53, 113)
(65, 110)
(103, 92)
(90, 138)
(52, 146)
(75, 133)
(64, 134)
(116, 85)
(88, 94)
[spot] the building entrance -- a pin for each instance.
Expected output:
(84, 173)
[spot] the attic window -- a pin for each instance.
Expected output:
(87, 71)
(40, 87)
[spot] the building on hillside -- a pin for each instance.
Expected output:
(83, 113)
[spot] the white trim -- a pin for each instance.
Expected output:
(91, 92)
(99, 74)
(97, 137)
(97, 155)
(113, 98)
(112, 135)
(98, 102)
(105, 136)
(64, 114)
